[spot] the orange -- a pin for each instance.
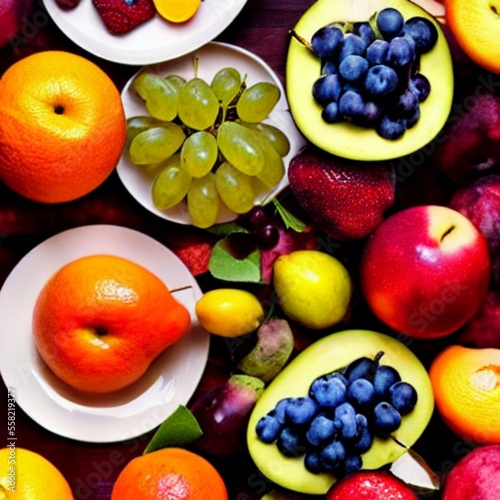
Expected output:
(475, 24)
(62, 126)
(101, 320)
(177, 11)
(466, 384)
(26, 475)
(169, 474)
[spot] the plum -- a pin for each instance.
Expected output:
(223, 414)
(479, 201)
(476, 476)
(12, 16)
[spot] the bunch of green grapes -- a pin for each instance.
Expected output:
(206, 142)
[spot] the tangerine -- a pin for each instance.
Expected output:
(101, 320)
(169, 474)
(466, 385)
(474, 24)
(62, 126)
(27, 475)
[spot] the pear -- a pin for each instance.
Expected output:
(313, 288)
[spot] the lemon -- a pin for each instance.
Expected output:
(229, 312)
(313, 288)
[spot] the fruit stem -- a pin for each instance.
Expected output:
(377, 357)
(302, 40)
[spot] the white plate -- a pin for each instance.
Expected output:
(153, 41)
(211, 58)
(131, 412)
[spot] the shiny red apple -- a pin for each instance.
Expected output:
(425, 271)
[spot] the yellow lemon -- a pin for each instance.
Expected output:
(313, 288)
(229, 312)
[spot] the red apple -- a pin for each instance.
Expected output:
(476, 476)
(425, 271)
(370, 485)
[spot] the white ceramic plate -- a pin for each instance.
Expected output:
(211, 58)
(170, 380)
(153, 41)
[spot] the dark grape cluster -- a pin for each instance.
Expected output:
(336, 422)
(370, 71)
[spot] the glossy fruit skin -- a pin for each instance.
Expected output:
(71, 111)
(332, 353)
(371, 485)
(100, 321)
(425, 271)
(476, 476)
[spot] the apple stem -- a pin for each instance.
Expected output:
(447, 232)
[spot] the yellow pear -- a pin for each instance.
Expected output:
(313, 288)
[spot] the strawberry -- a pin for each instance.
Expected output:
(122, 16)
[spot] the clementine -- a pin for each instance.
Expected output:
(474, 24)
(169, 474)
(62, 126)
(466, 385)
(27, 475)
(101, 320)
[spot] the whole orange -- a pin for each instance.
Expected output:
(62, 126)
(27, 475)
(169, 474)
(466, 385)
(101, 320)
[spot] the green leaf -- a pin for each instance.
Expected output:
(179, 429)
(291, 222)
(225, 266)
(228, 228)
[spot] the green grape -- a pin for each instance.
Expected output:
(138, 124)
(273, 134)
(203, 201)
(226, 85)
(241, 147)
(198, 106)
(234, 188)
(156, 144)
(257, 101)
(176, 81)
(170, 187)
(159, 94)
(274, 168)
(199, 153)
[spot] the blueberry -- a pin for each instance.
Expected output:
(365, 32)
(268, 428)
(390, 23)
(322, 429)
(328, 391)
(413, 119)
(279, 410)
(403, 397)
(312, 462)
(332, 454)
(391, 128)
(300, 411)
(291, 442)
(401, 52)
(421, 86)
(350, 465)
(386, 419)
(364, 438)
(405, 104)
(361, 368)
(326, 40)
(373, 111)
(423, 31)
(345, 420)
(353, 68)
(381, 80)
(376, 52)
(353, 45)
(361, 393)
(352, 106)
(327, 88)
(330, 113)
(329, 67)
(385, 376)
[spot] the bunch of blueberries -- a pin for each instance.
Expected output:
(370, 71)
(336, 422)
